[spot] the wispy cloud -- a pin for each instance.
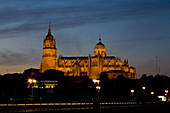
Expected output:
(29, 17)
(130, 22)
(11, 58)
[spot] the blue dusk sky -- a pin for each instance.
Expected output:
(137, 30)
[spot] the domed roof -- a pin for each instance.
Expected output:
(131, 67)
(100, 44)
(100, 49)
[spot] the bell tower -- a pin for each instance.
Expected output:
(49, 57)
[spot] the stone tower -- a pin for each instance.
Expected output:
(49, 57)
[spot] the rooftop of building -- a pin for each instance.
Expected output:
(85, 57)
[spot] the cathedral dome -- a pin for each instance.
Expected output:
(100, 44)
(100, 49)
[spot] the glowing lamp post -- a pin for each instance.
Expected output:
(98, 88)
(96, 81)
(31, 83)
(96, 102)
(97, 93)
(132, 91)
(152, 93)
(166, 91)
(166, 94)
(143, 88)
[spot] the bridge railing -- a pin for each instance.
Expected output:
(32, 107)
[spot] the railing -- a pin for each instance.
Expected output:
(32, 107)
(38, 107)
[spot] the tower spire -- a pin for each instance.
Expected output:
(99, 38)
(49, 30)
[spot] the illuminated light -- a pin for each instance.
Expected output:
(132, 91)
(36, 86)
(96, 81)
(143, 87)
(166, 91)
(30, 81)
(98, 87)
(47, 86)
(34, 81)
(49, 81)
(163, 98)
(152, 93)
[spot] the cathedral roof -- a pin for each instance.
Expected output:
(125, 65)
(85, 57)
(109, 57)
(131, 67)
(116, 71)
(100, 43)
(49, 35)
(69, 58)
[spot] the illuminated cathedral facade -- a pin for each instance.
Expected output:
(92, 66)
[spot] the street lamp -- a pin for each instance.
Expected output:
(96, 102)
(32, 82)
(97, 93)
(98, 88)
(96, 81)
(166, 94)
(166, 91)
(152, 93)
(143, 88)
(132, 91)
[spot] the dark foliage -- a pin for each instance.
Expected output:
(73, 88)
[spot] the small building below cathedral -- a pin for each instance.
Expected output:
(91, 66)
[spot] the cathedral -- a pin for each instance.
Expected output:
(92, 65)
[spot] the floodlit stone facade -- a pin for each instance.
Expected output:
(49, 58)
(91, 66)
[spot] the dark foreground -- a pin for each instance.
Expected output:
(152, 108)
(103, 107)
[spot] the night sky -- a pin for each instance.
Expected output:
(137, 30)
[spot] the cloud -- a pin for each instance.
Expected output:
(62, 15)
(12, 58)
